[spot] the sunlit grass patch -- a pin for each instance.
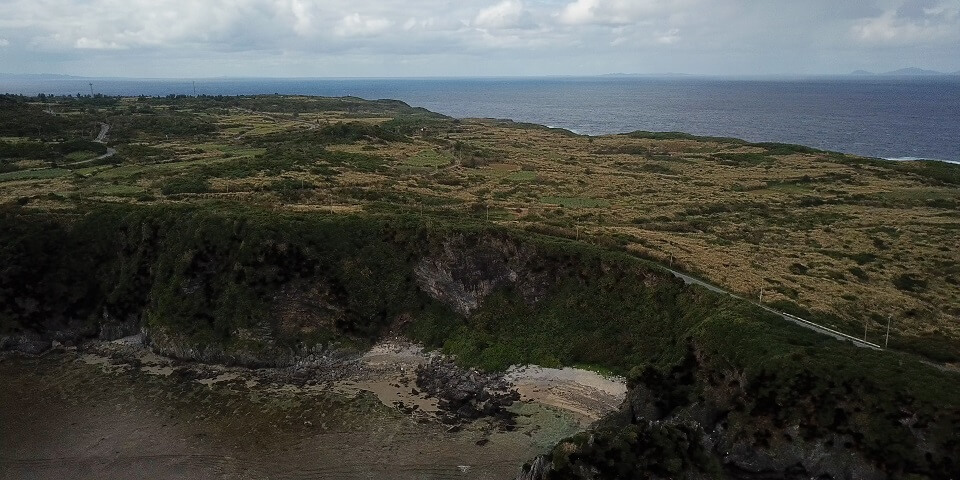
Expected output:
(522, 176)
(428, 158)
(229, 150)
(117, 191)
(34, 174)
(575, 202)
(504, 167)
(80, 156)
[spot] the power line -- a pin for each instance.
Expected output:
(886, 342)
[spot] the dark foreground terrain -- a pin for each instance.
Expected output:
(98, 416)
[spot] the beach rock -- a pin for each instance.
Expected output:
(26, 344)
(538, 469)
(465, 395)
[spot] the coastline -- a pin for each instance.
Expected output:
(805, 110)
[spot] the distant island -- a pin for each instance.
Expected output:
(36, 76)
(905, 72)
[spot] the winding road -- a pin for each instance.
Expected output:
(803, 322)
(786, 316)
(101, 138)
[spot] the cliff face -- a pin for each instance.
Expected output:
(465, 271)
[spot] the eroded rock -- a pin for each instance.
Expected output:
(465, 271)
(466, 395)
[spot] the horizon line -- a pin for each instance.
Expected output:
(854, 74)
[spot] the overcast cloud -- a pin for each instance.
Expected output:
(175, 38)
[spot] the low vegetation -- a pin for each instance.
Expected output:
(843, 238)
(218, 211)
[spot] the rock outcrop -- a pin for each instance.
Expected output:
(467, 270)
(69, 333)
(466, 394)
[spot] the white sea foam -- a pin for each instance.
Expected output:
(914, 159)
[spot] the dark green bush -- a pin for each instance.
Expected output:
(185, 184)
(743, 159)
(910, 282)
(26, 151)
(71, 146)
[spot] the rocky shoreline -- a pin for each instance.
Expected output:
(426, 385)
(113, 410)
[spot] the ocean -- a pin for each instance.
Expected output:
(885, 117)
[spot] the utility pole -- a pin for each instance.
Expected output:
(887, 341)
(864, 330)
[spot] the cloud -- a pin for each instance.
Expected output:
(85, 43)
(580, 12)
(622, 12)
(506, 14)
(670, 37)
(4, 42)
(303, 17)
(914, 22)
(494, 36)
(356, 25)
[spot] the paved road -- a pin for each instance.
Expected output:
(101, 138)
(104, 130)
(786, 316)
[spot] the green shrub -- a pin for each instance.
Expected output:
(26, 151)
(859, 273)
(910, 282)
(70, 146)
(785, 148)
(290, 189)
(185, 184)
(743, 159)
(799, 269)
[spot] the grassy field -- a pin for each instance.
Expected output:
(428, 158)
(845, 241)
(575, 202)
(38, 174)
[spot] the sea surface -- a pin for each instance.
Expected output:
(886, 117)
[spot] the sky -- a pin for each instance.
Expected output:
(413, 38)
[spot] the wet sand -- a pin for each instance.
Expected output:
(92, 415)
(587, 394)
